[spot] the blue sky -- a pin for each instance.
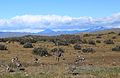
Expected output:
(74, 8)
(38, 15)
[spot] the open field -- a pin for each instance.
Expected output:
(103, 63)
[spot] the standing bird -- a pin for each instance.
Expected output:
(58, 54)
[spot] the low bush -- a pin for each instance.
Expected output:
(3, 47)
(57, 49)
(28, 45)
(109, 41)
(92, 42)
(119, 34)
(88, 50)
(116, 48)
(77, 47)
(40, 51)
(98, 41)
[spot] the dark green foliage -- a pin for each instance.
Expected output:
(98, 41)
(57, 49)
(116, 48)
(3, 47)
(111, 32)
(40, 51)
(77, 47)
(28, 45)
(109, 41)
(88, 50)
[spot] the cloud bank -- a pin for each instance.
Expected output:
(37, 23)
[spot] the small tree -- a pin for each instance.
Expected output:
(28, 45)
(3, 47)
(40, 51)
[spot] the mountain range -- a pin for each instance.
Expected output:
(50, 32)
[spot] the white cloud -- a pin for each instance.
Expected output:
(36, 23)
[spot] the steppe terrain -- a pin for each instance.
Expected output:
(100, 62)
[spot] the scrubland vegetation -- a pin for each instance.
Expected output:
(64, 56)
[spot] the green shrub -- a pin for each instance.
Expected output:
(98, 41)
(57, 49)
(116, 48)
(88, 50)
(77, 47)
(28, 45)
(109, 41)
(40, 51)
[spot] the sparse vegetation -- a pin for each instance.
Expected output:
(72, 47)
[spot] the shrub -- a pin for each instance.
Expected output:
(3, 47)
(116, 48)
(114, 37)
(63, 43)
(98, 41)
(119, 34)
(109, 41)
(111, 32)
(77, 47)
(28, 45)
(98, 37)
(92, 42)
(57, 49)
(86, 35)
(88, 50)
(40, 51)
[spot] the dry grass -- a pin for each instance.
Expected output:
(104, 63)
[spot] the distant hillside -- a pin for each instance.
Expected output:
(49, 32)
(12, 34)
(116, 30)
